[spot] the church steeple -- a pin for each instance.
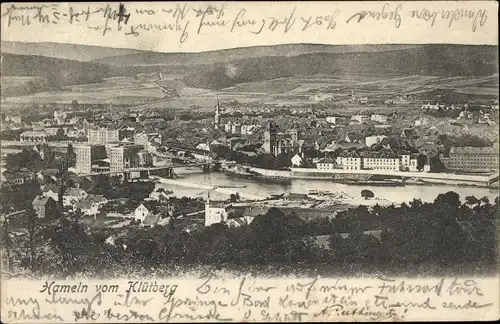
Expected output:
(217, 115)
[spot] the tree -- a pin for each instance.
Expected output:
(283, 161)
(485, 200)
(449, 199)
(71, 155)
(234, 197)
(367, 194)
(471, 200)
(74, 105)
(421, 161)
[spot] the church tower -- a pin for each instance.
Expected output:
(217, 115)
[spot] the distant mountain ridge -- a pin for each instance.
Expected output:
(220, 69)
(74, 52)
(217, 56)
(128, 57)
(437, 60)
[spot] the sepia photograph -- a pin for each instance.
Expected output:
(294, 159)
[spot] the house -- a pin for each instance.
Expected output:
(236, 128)
(240, 221)
(325, 164)
(228, 127)
(372, 140)
(34, 136)
(381, 160)
(73, 195)
(297, 160)
(18, 177)
(159, 195)
(51, 190)
(352, 137)
(88, 207)
(429, 106)
(378, 118)
(145, 209)
(216, 212)
(47, 175)
(42, 150)
(150, 220)
(409, 133)
(100, 200)
(248, 129)
(350, 161)
(360, 118)
(44, 207)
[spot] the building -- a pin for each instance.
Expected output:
(217, 115)
(336, 119)
(472, 159)
(159, 195)
(409, 134)
(379, 118)
(381, 160)
(350, 161)
(236, 128)
(51, 191)
(297, 160)
(38, 136)
(86, 154)
(144, 210)
(325, 164)
(409, 162)
(123, 157)
(87, 207)
(360, 118)
(100, 200)
(239, 221)
(429, 106)
(72, 196)
(216, 212)
(147, 139)
(276, 142)
(44, 207)
(248, 129)
(103, 135)
(228, 127)
(18, 177)
(372, 140)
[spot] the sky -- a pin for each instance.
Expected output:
(194, 27)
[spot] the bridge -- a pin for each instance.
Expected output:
(167, 168)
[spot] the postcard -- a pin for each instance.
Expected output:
(249, 161)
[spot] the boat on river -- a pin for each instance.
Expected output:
(231, 186)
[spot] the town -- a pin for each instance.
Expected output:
(329, 161)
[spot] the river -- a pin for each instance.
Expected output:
(396, 195)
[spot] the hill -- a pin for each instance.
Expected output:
(432, 60)
(52, 73)
(212, 57)
(64, 51)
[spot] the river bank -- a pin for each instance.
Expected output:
(204, 182)
(350, 177)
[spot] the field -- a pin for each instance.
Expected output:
(116, 90)
(149, 91)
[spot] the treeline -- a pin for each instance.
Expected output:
(54, 73)
(463, 140)
(444, 234)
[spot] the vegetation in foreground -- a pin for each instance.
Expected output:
(445, 234)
